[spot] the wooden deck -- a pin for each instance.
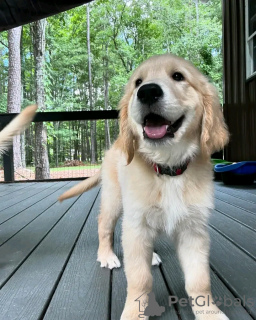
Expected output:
(48, 267)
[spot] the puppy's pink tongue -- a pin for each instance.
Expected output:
(156, 132)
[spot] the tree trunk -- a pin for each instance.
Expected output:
(88, 149)
(23, 96)
(56, 144)
(29, 143)
(106, 98)
(41, 152)
(83, 141)
(76, 143)
(93, 123)
(14, 86)
(70, 141)
(23, 150)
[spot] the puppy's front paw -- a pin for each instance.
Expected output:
(156, 260)
(108, 260)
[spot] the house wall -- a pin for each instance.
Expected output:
(239, 93)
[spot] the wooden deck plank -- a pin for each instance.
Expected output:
(119, 286)
(3, 185)
(27, 292)
(175, 280)
(119, 283)
(26, 214)
(20, 189)
(48, 251)
(84, 289)
(235, 268)
(9, 213)
(241, 236)
(237, 193)
(238, 214)
(248, 189)
(240, 203)
(23, 194)
(14, 187)
(15, 251)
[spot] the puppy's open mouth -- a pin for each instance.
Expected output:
(157, 127)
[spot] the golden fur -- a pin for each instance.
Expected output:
(176, 205)
(16, 126)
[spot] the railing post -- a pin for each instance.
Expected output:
(8, 162)
(8, 165)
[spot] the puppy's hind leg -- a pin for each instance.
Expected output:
(111, 207)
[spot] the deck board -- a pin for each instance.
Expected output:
(30, 287)
(238, 234)
(14, 187)
(28, 210)
(84, 289)
(48, 250)
(241, 194)
(23, 194)
(236, 269)
(238, 214)
(15, 251)
(175, 279)
(238, 202)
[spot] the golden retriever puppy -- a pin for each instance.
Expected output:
(159, 174)
(16, 126)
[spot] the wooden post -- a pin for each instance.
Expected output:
(8, 161)
(8, 165)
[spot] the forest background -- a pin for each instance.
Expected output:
(81, 60)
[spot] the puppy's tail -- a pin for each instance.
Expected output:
(16, 126)
(82, 187)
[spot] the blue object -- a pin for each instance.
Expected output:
(244, 167)
(237, 173)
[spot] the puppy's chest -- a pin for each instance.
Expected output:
(166, 204)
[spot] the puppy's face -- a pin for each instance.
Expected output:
(166, 100)
(164, 104)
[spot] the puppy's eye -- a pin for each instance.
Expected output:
(177, 76)
(138, 82)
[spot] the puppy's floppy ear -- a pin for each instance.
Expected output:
(214, 135)
(126, 136)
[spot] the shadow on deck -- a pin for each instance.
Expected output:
(48, 267)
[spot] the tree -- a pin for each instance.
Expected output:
(93, 124)
(41, 152)
(14, 86)
(90, 56)
(106, 97)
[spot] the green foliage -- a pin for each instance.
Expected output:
(123, 34)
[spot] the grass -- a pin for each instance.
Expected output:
(97, 166)
(75, 168)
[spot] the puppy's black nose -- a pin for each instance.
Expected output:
(149, 93)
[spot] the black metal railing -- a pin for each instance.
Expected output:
(8, 162)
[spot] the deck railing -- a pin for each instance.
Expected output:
(8, 161)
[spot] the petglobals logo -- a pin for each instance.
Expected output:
(202, 301)
(149, 307)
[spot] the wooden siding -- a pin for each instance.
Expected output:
(239, 93)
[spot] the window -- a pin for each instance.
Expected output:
(250, 27)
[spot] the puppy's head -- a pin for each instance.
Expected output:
(169, 105)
